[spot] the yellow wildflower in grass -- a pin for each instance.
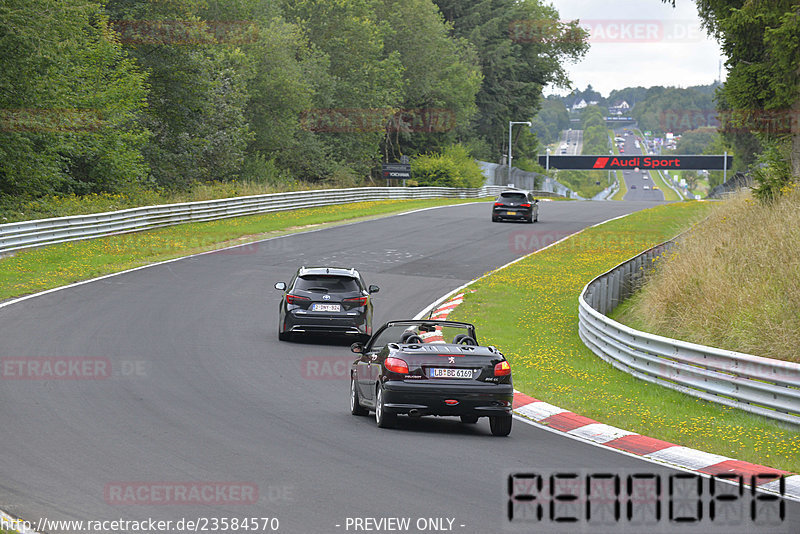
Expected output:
(529, 311)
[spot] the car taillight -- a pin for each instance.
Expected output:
(498, 203)
(396, 365)
(296, 299)
(356, 301)
(525, 205)
(502, 369)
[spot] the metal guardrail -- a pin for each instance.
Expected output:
(20, 235)
(763, 386)
(739, 181)
(540, 184)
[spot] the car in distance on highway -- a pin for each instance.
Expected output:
(515, 205)
(429, 367)
(325, 300)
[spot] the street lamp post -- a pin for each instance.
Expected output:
(510, 158)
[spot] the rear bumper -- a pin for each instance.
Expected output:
(429, 399)
(518, 214)
(321, 323)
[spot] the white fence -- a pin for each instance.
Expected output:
(15, 236)
(759, 385)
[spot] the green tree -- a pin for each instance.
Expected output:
(761, 40)
(365, 85)
(69, 97)
(551, 119)
(631, 95)
(441, 76)
(197, 89)
(453, 167)
(696, 141)
(672, 109)
(522, 48)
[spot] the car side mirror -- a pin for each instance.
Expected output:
(373, 289)
(358, 348)
(281, 286)
(535, 200)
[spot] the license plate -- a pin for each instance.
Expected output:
(451, 373)
(326, 307)
(512, 212)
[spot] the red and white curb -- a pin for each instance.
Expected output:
(440, 314)
(582, 428)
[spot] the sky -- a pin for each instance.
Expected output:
(640, 43)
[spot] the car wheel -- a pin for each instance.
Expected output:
(355, 404)
(382, 417)
(536, 219)
(494, 219)
(284, 336)
(530, 219)
(469, 419)
(500, 425)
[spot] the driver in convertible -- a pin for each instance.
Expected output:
(422, 334)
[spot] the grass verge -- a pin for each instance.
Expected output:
(669, 193)
(623, 188)
(14, 210)
(34, 270)
(529, 310)
(733, 283)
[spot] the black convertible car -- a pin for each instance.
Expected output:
(431, 368)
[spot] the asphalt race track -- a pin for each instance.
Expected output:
(203, 392)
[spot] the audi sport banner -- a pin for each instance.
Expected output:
(611, 163)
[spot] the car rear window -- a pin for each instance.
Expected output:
(513, 196)
(332, 284)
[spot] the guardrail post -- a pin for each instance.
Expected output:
(754, 384)
(615, 282)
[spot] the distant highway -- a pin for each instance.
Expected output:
(639, 184)
(573, 139)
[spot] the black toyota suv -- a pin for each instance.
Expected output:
(325, 300)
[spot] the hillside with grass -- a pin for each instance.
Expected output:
(732, 282)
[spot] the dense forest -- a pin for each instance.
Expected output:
(110, 96)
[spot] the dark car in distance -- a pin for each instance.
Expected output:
(515, 205)
(409, 367)
(325, 300)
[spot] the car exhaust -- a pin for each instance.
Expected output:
(414, 413)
